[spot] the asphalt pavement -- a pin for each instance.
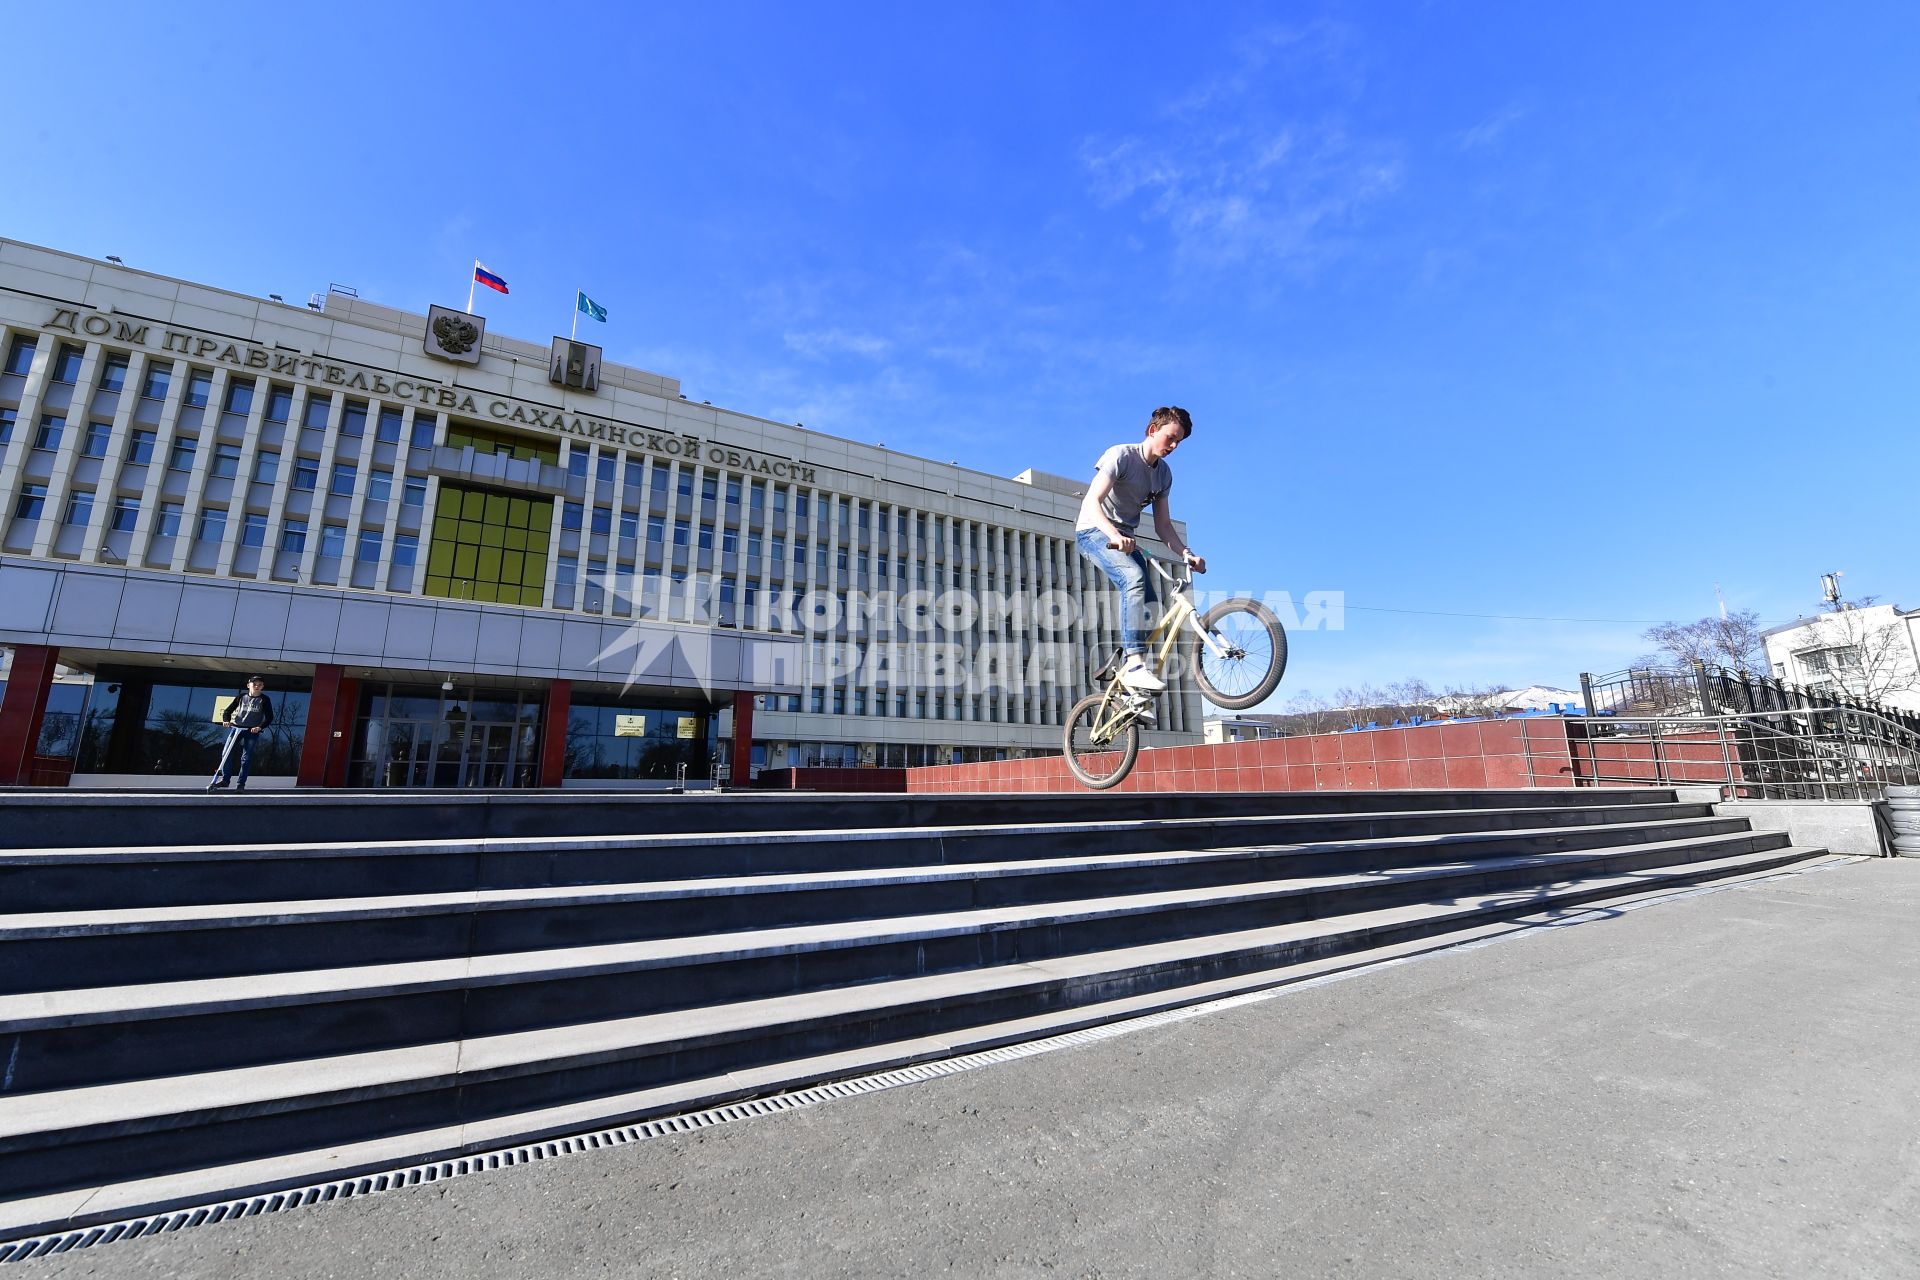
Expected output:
(1726, 1084)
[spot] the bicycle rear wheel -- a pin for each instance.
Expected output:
(1099, 762)
(1254, 657)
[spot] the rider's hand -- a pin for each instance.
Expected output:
(1197, 563)
(1124, 546)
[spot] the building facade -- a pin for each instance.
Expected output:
(463, 559)
(1865, 652)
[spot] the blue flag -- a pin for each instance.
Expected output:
(593, 308)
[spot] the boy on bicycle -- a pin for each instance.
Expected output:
(1126, 479)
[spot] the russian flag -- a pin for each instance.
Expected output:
(483, 276)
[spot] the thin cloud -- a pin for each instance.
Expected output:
(819, 344)
(1489, 131)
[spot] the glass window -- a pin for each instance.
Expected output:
(184, 451)
(369, 549)
(570, 513)
(388, 432)
(865, 515)
(779, 501)
(126, 514)
(629, 524)
(226, 460)
(577, 461)
(279, 404)
(33, 499)
(170, 513)
(681, 529)
(159, 378)
(140, 448)
(7, 418)
(253, 530)
(757, 496)
(800, 554)
(333, 540)
(633, 473)
(424, 425)
(344, 476)
(659, 483)
(240, 397)
(306, 474)
(80, 507)
(800, 507)
(406, 548)
(753, 544)
(709, 488)
(817, 701)
(213, 524)
(20, 355)
(199, 388)
(52, 427)
(706, 537)
(779, 547)
(565, 572)
(729, 541)
(113, 374)
(353, 419)
(733, 493)
(603, 469)
(293, 536)
(66, 363)
(685, 487)
(379, 485)
(266, 467)
(99, 434)
(414, 492)
(602, 520)
(656, 528)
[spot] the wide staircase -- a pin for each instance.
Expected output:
(203, 997)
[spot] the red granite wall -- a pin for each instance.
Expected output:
(1489, 754)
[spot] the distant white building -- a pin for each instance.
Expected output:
(1538, 697)
(1218, 729)
(1870, 652)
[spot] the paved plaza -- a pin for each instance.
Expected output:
(1720, 1085)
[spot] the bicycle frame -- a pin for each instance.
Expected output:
(1179, 613)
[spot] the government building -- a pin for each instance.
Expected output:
(462, 559)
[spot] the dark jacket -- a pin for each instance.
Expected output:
(249, 711)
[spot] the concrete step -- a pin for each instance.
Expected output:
(61, 950)
(94, 878)
(153, 1030)
(88, 1154)
(73, 819)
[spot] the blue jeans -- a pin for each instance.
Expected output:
(239, 742)
(1129, 573)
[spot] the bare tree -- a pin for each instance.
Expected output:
(1733, 642)
(1863, 656)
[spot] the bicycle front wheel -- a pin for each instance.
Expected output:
(1099, 753)
(1252, 657)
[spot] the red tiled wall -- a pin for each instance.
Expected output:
(1492, 754)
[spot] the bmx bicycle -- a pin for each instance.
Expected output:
(1237, 659)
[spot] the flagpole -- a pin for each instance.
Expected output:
(575, 335)
(473, 278)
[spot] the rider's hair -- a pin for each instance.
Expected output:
(1170, 413)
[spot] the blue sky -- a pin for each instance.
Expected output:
(1569, 312)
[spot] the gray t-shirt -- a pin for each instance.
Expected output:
(1136, 484)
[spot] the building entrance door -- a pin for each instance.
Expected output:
(457, 738)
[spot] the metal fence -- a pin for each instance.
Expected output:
(1704, 690)
(1801, 753)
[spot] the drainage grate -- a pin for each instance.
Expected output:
(461, 1166)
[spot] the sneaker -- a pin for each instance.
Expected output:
(239, 786)
(216, 786)
(1144, 712)
(1136, 675)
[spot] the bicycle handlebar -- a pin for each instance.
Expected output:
(1155, 563)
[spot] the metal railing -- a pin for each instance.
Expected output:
(1811, 753)
(1704, 690)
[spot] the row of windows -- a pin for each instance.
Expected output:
(212, 525)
